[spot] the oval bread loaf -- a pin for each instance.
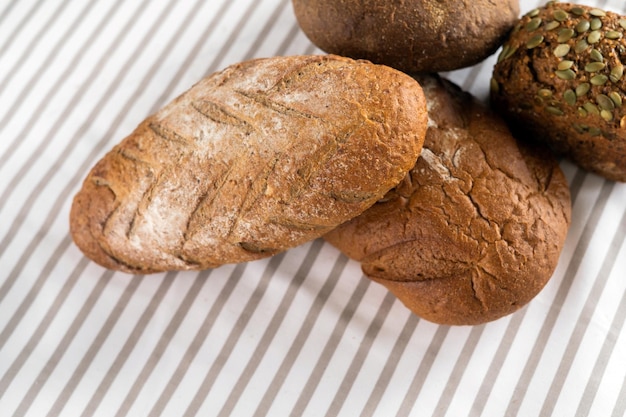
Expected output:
(560, 78)
(250, 161)
(476, 228)
(411, 35)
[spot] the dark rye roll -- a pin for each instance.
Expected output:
(411, 35)
(560, 79)
(476, 228)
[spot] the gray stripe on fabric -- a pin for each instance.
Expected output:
(7, 10)
(584, 318)
(616, 328)
(495, 366)
(361, 355)
(57, 86)
(20, 26)
(271, 329)
(69, 335)
(32, 294)
(459, 370)
(96, 345)
(234, 336)
(129, 345)
(165, 396)
(41, 34)
(391, 365)
(422, 372)
(330, 348)
(36, 336)
(166, 336)
(57, 205)
(532, 362)
(304, 332)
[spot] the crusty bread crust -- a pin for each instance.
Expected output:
(411, 35)
(253, 160)
(475, 230)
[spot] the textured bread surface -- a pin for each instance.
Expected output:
(411, 35)
(260, 157)
(560, 79)
(475, 229)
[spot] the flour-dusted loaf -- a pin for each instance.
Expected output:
(475, 230)
(253, 160)
(411, 35)
(560, 78)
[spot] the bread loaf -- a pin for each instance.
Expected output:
(260, 157)
(411, 35)
(475, 230)
(560, 78)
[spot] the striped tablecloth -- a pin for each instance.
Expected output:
(300, 334)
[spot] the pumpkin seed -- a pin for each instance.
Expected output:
(567, 74)
(563, 65)
(600, 79)
(580, 46)
(597, 12)
(594, 131)
(591, 108)
(554, 110)
(594, 36)
(606, 115)
(570, 97)
(494, 86)
(595, 24)
(594, 66)
(582, 112)
(534, 41)
(560, 15)
(622, 23)
(561, 50)
(552, 25)
(578, 11)
(613, 34)
(605, 102)
(582, 89)
(596, 55)
(544, 93)
(616, 73)
(583, 26)
(616, 98)
(565, 35)
(533, 13)
(533, 24)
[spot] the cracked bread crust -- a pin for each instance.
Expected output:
(475, 229)
(251, 161)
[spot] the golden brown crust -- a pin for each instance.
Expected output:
(475, 230)
(412, 35)
(560, 78)
(253, 160)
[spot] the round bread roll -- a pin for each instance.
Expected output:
(411, 35)
(252, 160)
(476, 228)
(560, 78)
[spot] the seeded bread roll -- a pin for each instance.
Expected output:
(250, 161)
(560, 78)
(476, 228)
(411, 35)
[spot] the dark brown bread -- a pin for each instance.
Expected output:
(475, 230)
(251, 161)
(411, 35)
(560, 78)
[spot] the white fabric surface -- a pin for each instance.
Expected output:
(302, 333)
